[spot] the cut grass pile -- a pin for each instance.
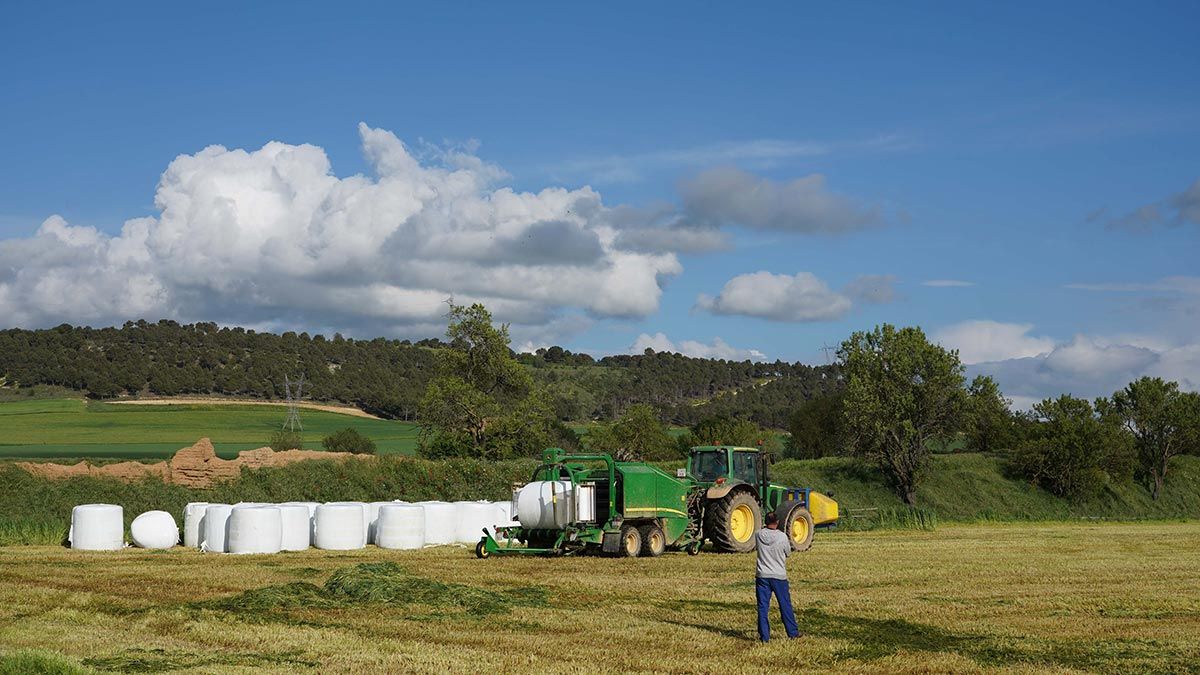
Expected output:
(73, 429)
(1024, 598)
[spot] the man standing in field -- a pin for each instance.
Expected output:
(770, 576)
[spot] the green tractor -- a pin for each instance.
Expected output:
(738, 491)
(578, 502)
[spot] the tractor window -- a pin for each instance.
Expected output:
(745, 466)
(710, 466)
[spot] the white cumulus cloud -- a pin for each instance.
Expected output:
(983, 341)
(799, 297)
(719, 349)
(273, 236)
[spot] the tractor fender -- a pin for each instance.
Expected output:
(719, 491)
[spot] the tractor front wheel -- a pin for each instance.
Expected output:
(631, 541)
(731, 522)
(654, 541)
(798, 525)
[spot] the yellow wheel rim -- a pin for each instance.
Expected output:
(799, 530)
(741, 522)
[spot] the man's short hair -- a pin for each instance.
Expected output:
(772, 519)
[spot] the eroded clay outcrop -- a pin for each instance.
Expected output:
(197, 466)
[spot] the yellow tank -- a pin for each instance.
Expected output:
(822, 507)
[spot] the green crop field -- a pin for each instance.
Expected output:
(995, 598)
(68, 428)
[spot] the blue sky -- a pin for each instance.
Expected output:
(668, 165)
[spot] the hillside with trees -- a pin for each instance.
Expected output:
(389, 377)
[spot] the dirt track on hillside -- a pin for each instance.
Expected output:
(344, 410)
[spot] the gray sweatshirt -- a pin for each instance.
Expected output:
(773, 549)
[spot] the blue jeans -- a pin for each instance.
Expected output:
(763, 588)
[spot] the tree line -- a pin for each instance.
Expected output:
(388, 377)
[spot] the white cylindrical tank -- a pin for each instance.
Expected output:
(545, 504)
(216, 526)
(97, 527)
(255, 529)
(154, 529)
(373, 518)
(400, 526)
(472, 517)
(296, 527)
(441, 522)
(340, 526)
(193, 524)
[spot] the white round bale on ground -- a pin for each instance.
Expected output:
(312, 515)
(503, 518)
(193, 524)
(441, 522)
(97, 527)
(255, 529)
(472, 517)
(340, 526)
(366, 518)
(296, 527)
(400, 526)
(373, 518)
(216, 526)
(154, 529)
(542, 504)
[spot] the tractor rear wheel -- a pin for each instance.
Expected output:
(631, 541)
(654, 540)
(732, 521)
(798, 526)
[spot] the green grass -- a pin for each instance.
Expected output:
(1081, 597)
(69, 429)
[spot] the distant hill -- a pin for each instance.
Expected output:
(387, 377)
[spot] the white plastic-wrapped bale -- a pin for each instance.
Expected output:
(372, 519)
(441, 522)
(216, 526)
(312, 517)
(255, 529)
(472, 517)
(366, 518)
(545, 504)
(503, 518)
(155, 530)
(193, 524)
(97, 527)
(296, 527)
(340, 526)
(400, 526)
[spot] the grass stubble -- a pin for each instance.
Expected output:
(1027, 598)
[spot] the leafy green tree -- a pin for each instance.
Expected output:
(988, 420)
(349, 440)
(817, 428)
(1161, 419)
(482, 402)
(902, 392)
(285, 440)
(637, 434)
(1069, 450)
(726, 430)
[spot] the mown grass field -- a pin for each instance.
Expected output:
(1029, 598)
(71, 428)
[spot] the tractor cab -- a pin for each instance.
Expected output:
(721, 465)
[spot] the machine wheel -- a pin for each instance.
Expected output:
(631, 542)
(798, 526)
(732, 522)
(481, 550)
(654, 540)
(693, 548)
